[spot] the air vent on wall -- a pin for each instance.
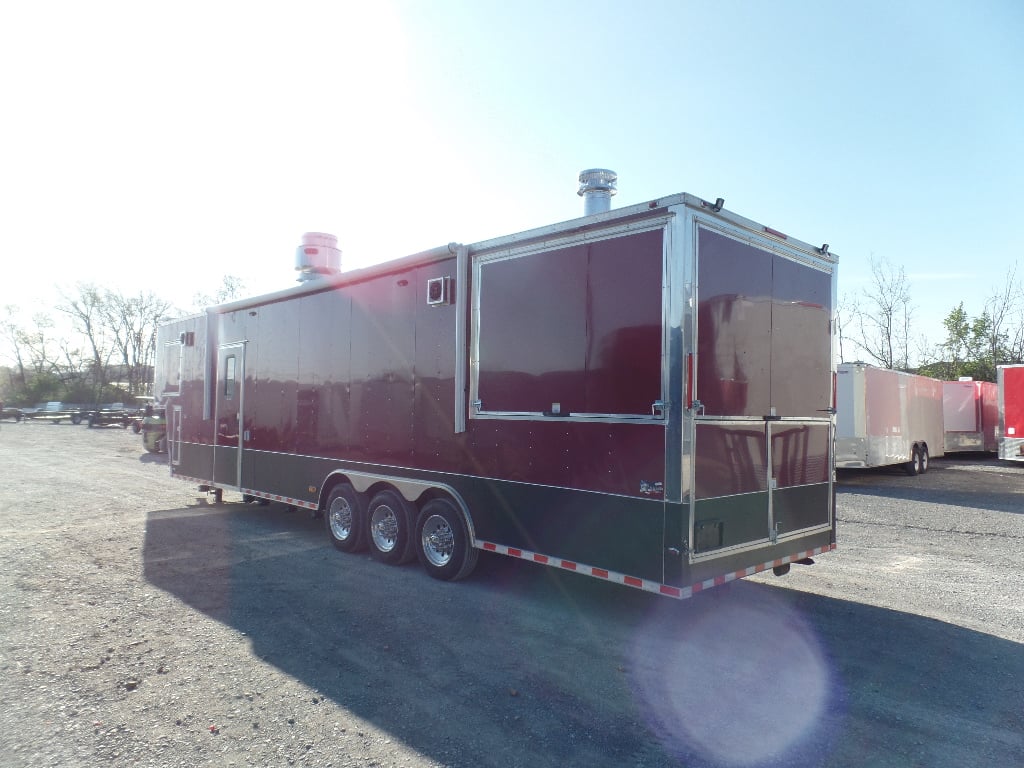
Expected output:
(439, 291)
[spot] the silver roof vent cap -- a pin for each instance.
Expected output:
(597, 185)
(317, 256)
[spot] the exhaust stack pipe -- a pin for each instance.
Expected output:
(597, 185)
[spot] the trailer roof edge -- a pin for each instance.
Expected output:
(658, 206)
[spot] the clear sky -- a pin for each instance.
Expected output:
(163, 146)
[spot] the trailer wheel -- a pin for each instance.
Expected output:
(443, 545)
(344, 518)
(389, 524)
(922, 459)
(911, 466)
(76, 419)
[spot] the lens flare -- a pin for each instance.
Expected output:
(738, 680)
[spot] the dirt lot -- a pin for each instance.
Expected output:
(141, 625)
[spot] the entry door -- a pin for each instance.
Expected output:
(227, 448)
(762, 439)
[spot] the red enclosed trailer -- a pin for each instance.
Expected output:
(641, 395)
(970, 412)
(1010, 380)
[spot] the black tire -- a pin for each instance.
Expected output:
(922, 459)
(389, 523)
(911, 466)
(136, 427)
(76, 419)
(344, 519)
(442, 542)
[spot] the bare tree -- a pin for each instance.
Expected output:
(1004, 335)
(883, 316)
(12, 332)
(846, 312)
(49, 366)
(38, 345)
(87, 310)
(132, 324)
(231, 288)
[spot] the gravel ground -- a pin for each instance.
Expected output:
(141, 625)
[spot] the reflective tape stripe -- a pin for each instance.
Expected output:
(680, 593)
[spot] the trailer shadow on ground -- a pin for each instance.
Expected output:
(947, 482)
(559, 669)
(994, 502)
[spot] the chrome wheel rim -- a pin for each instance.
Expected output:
(384, 528)
(438, 541)
(340, 516)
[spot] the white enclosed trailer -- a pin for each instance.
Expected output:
(887, 418)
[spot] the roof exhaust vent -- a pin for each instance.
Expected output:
(317, 256)
(597, 185)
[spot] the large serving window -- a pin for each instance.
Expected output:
(764, 335)
(571, 331)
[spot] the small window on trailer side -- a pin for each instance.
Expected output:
(229, 377)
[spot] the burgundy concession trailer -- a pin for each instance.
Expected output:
(642, 395)
(1010, 381)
